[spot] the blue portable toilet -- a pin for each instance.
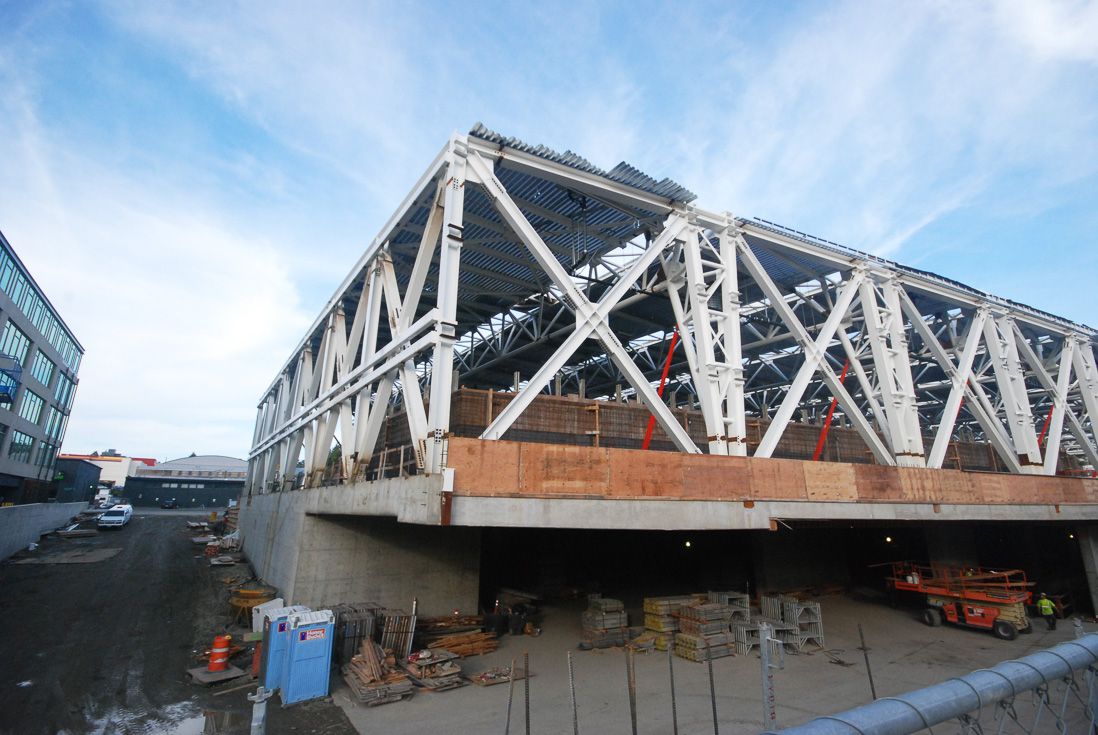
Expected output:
(276, 634)
(308, 656)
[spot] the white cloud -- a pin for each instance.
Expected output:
(182, 318)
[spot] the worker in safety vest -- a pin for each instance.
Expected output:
(1047, 608)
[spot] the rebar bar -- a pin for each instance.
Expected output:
(671, 672)
(632, 682)
(526, 687)
(712, 690)
(572, 686)
(510, 697)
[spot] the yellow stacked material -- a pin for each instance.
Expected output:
(661, 623)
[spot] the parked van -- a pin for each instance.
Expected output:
(116, 517)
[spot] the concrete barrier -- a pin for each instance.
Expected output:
(21, 525)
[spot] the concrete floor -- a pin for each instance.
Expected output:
(904, 655)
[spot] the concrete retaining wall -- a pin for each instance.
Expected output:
(21, 525)
(324, 546)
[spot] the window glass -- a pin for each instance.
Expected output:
(20, 448)
(31, 406)
(13, 342)
(43, 368)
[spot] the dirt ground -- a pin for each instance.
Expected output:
(98, 634)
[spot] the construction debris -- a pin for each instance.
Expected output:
(434, 670)
(373, 676)
(496, 675)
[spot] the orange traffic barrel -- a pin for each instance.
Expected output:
(219, 654)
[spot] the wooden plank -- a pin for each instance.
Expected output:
(958, 487)
(878, 483)
(484, 467)
(919, 485)
(714, 477)
(552, 468)
(636, 474)
(781, 479)
(830, 481)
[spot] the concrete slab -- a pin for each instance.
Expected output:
(904, 655)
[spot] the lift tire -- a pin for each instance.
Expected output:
(932, 616)
(1004, 629)
(1028, 629)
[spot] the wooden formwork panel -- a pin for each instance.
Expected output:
(878, 483)
(920, 485)
(484, 467)
(555, 469)
(1060, 490)
(1090, 490)
(645, 474)
(993, 490)
(958, 487)
(830, 481)
(711, 477)
(781, 479)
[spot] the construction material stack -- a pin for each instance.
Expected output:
(808, 620)
(434, 670)
(661, 617)
(704, 631)
(374, 678)
(398, 628)
(354, 623)
(604, 622)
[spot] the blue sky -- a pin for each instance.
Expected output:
(189, 182)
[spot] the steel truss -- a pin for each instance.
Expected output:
(516, 268)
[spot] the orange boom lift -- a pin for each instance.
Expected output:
(974, 596)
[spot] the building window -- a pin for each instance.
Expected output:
(201, 485)
(55, 423)
(13, 342)
(165, 485)
(43, 368)
(64, 392)
(46, 454)
(31, 407)
(20, 448)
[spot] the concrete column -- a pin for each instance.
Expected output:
(1088, 547)
(951, 546)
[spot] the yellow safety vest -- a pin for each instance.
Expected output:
(1045, 606)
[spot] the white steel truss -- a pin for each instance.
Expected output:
(518, 269)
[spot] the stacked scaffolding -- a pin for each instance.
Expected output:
(354, 623)
(808, 620)
(604, 622)
(397, 630)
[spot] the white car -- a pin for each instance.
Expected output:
(116, 517)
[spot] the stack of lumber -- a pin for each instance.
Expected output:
(661, 617)
(374, 678)
(604, 622)
(703, 648)
(429, 630)
(466, 644)
(705, 618)
(231, 519)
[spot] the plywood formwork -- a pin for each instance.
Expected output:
(540, 470)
